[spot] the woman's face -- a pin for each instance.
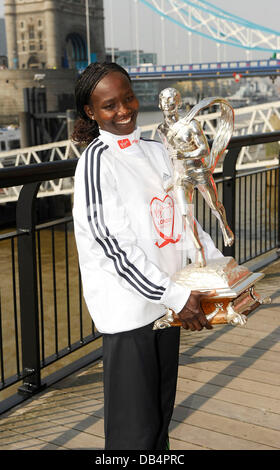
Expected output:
(113, 104)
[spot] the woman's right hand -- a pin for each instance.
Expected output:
(192, 316)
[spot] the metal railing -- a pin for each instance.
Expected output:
(207, 69)
(57, 294)
(57, 151)
(43, 317)
(257, 119)
(42, 285)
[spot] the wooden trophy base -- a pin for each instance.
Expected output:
(234, 284)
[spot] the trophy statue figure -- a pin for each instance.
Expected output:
(193, 165)
(193, 161)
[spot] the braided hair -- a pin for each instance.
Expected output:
(86, 129)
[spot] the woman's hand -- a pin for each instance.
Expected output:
(192, 316)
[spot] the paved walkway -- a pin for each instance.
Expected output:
(228, 394)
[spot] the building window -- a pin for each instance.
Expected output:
(40, 23)
(22, 24)
(32, 47)
(41, 47)
(31, 32)
(22, 36)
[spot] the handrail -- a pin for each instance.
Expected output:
(19, 175)
(66, 168)
(254, 139)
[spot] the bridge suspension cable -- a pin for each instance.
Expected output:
(211, 22)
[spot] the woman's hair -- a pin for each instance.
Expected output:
(86, 129)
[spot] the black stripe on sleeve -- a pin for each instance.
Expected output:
(101, 232)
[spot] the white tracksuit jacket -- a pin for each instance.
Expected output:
(129, 232)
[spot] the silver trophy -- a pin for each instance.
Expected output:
(193, 165)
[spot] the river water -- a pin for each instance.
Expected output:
(55, 307)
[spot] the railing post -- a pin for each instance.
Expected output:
(278, 210)
(229, 187)
(26, 214)
(25, 120)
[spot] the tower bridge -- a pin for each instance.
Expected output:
(51, 34)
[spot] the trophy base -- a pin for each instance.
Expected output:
(235, 294)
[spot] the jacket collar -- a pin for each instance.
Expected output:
(122, 142)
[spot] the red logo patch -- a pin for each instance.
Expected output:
(124, 143)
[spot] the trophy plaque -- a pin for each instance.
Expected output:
(193, 165)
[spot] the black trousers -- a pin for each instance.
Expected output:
(140, 377)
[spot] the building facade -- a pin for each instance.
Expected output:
(52, 34)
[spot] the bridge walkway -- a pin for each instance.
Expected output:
(227, 395)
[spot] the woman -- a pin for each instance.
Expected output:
(129, 240)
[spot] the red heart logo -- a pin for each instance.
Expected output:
(162, 212)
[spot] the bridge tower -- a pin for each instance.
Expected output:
(52, 33)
